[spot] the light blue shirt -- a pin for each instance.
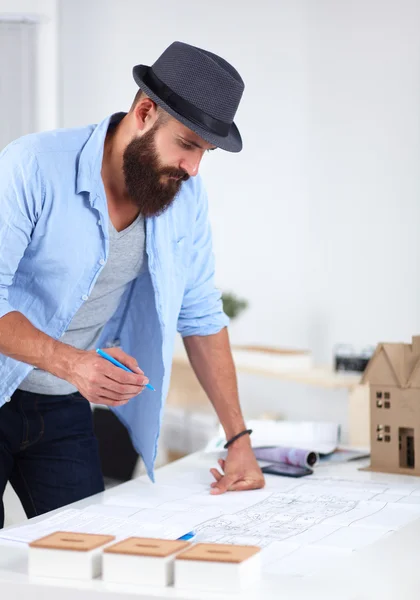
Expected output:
(53, 245)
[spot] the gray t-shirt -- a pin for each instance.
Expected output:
(125, 262)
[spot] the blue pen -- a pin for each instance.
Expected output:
(188, 536)
(118, 364)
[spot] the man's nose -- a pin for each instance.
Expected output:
(191, 165)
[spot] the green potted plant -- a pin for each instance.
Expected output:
(233, 305)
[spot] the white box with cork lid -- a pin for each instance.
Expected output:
(67, 555)
(217, 567)
(143, 561)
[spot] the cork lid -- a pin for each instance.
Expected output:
(227, 553)
(65, 540)
(147, 547)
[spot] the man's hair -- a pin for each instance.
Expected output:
(137, 98)
(163, 116)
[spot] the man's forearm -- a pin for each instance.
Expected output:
(211, 359)
(20, 340)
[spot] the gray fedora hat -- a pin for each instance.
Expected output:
(199, 89)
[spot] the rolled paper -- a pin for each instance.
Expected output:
(291, 456)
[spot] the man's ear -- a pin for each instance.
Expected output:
(145, 113)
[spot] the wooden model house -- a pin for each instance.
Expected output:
(393, 374)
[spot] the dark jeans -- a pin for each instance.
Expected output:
(48, 451)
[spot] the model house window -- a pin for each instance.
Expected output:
(18, 96)
(383, 433)
(380, 402)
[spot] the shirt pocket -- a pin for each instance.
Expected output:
(182, 253)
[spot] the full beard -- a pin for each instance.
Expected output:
(149, 185)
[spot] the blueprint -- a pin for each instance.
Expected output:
(279, 517)
(316, 524)
(301, 525)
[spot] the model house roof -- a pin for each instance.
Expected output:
(396, 365)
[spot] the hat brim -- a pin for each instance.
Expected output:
(231, 143)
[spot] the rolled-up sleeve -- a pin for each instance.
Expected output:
(20, 205)
(201, 311)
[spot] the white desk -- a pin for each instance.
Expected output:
(384, 570)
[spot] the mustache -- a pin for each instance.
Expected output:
(176, 173)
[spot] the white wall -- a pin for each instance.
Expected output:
(316, 221)
(45, 12)
(362, 171)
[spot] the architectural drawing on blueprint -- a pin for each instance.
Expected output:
(301, 526)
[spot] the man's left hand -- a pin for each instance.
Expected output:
(240, 471)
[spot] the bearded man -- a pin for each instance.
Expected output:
(105, 243)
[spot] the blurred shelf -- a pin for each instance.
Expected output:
(319, 376)
(185, 391)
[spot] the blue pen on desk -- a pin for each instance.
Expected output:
(188, 536)
(118, 364)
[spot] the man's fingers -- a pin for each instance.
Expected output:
(108, 402)
(102, 368)
(244, 484)
(121, 377)
(120, 390)
(223, 485)
(104, 393)
(216, 474)
(234, 486)
(119, 387)
(125, 359)
(110, 389)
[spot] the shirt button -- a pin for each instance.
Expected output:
(99, 223)
(7, 399)
(102, 261)
(84, 297)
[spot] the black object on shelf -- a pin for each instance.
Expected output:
(351, 363)
(117, 454)
(346, 358)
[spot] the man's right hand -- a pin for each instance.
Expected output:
(101, 382)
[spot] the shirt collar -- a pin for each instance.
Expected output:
(90, 161)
